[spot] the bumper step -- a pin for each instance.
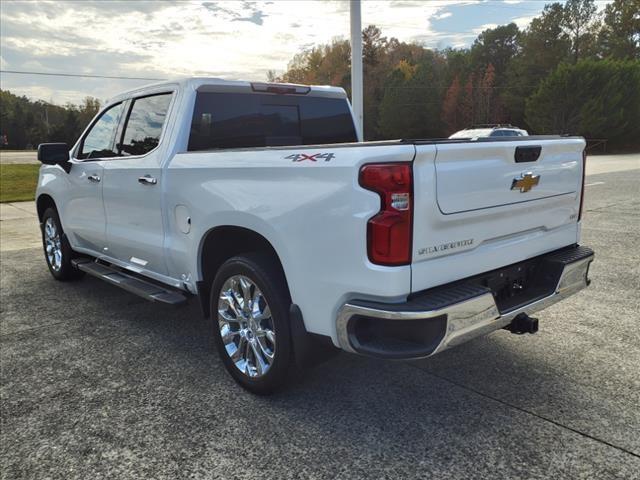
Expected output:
(131, 283)
(570, 255)
(435, 299)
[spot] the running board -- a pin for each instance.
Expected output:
(130, 283)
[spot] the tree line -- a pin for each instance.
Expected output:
(25, 123)
(571, 71)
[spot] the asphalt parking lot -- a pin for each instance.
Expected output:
(96, 383)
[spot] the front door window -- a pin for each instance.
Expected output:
(100, 140)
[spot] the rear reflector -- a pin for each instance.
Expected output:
(281, 88)
(389, 232)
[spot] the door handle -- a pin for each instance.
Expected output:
(147, 180)
(93, 178)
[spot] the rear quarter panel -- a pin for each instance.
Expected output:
(314, 214)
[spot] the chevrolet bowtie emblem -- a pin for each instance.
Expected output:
(526, 182)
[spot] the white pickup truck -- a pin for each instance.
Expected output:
(297, 238)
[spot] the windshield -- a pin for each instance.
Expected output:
(472, 133)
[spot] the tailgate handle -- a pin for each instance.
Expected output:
(527, 154)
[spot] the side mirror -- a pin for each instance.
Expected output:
(54, 154)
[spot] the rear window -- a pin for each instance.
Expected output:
(506, 133)
(245, 120)
(144, 124)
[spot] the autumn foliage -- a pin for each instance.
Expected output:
(412, 91)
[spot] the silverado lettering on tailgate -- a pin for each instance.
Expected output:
(445, 246)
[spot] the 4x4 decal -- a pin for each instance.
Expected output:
(301, 157)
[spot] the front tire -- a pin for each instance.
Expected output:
(250, 321)
(57, 250)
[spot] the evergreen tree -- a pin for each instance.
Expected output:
(596, 99)
(580, 23)
(620, 33)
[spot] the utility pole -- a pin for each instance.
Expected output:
(356, 66)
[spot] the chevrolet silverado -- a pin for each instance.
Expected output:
(299, 239)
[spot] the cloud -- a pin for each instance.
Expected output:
(253, 15)
(523, 22)
(482, 28)
(413, 20)
(157, 39)
(440, 16)
(256, 17)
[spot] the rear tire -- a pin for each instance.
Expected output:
(250, 322)
(57, 250)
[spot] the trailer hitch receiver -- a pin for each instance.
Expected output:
(523, 323)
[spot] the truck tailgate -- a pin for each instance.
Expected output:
(480, 175)
(476, 208)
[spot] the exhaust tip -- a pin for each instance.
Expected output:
(523, 323)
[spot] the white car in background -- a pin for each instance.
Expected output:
(493, 130)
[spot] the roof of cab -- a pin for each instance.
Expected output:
(212, 84)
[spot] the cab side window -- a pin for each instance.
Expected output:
(144, 125)
(99, 142)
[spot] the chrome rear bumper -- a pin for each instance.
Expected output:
(452, 315)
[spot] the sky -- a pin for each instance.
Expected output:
(238, 40)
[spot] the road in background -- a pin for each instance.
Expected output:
(612, 163)
(8, 157)
(97, 383)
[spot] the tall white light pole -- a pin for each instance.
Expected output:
(356, 65)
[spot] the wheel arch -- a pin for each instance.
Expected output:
(223, 242)
(43, 202)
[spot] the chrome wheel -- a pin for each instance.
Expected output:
(246, 326)
(53, 244)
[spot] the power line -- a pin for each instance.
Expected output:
(19, 72)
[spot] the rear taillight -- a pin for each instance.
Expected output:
(389, 232)
(584, 169)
